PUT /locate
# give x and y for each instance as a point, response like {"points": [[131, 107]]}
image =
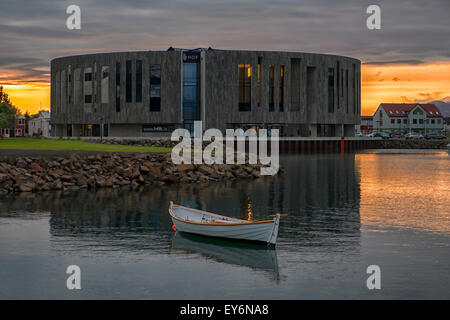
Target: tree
{"points": [[7, 115], [7, 112], [4, 96]]}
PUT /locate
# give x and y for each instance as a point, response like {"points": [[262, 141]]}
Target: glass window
{"points": [[88, 98], [138, 80], [392, 121], [355, 95], [191, 94], [105, 85], [281, 92], [117, 86], [259, 81], [245, 84], [128, 84], [330, 89], [155, 87], [271, 87], [88, 76], [338, 78], [346, 89]]}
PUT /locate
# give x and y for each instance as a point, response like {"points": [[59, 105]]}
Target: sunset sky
{"points": [[407, 60]]}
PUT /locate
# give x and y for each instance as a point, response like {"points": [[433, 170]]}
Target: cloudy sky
{"points": [[407, 60]]}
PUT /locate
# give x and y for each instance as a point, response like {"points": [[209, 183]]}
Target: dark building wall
{"points": [[305, 92], [299, 106], [79, 112]]}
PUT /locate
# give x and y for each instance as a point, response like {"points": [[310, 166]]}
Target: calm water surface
{"points": [[344, 214]]}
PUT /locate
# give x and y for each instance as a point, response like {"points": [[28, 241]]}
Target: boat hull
{"points": [[266, 232]]}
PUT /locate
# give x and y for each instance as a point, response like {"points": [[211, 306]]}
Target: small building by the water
{"points": [[405, 117], [19, 128], [40, 126], [366, 125]]}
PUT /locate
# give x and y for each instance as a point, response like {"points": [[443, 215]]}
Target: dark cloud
{"points": [[395, 62], [412, 32]]}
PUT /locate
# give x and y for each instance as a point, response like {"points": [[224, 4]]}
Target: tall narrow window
{"points": [[358, 93], [155, 87], [330, 89], [117, 86], [128, 81], [295, 76], [338, 83], [271, 87], [259, 81], [138, 80], [354, 88], [245, 85], [310, 87], [69, 84], [346, 88], [105, 84], [191, 91], [281, 92]]}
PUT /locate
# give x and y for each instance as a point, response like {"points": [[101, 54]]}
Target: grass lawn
{"points": [[50, 144]]}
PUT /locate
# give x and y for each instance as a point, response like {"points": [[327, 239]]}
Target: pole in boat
{"points": [[249, 210]]}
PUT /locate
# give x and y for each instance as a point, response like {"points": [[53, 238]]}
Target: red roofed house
{"points": [[405, 117]]}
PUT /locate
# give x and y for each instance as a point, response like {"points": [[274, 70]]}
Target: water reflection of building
{"points": [[319, 192]]}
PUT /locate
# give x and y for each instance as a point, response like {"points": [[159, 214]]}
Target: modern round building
{"points": [[151, 93]]}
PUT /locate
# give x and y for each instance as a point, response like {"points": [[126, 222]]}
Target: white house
{"points": [[405, 117], [40, 126]]}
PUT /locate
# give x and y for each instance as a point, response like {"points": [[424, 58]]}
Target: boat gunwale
{"points": [[243, 223]]}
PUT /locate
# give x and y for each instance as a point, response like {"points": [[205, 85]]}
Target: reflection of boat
{"points": [[214, 225], [233, 252]]}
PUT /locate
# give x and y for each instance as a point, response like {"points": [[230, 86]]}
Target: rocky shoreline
{"points": [[106, 170]]}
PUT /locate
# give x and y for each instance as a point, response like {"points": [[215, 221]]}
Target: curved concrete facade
{"points": [[150, 93]]}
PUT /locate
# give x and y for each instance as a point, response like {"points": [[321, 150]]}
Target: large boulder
{"points": [[155, 172], [27, 186], [57, 185], [206, 170]]}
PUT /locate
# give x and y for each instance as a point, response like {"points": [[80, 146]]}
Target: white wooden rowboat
{"points": [[209, 224]]}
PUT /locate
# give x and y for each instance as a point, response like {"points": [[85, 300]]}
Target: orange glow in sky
{"points": [[380, 84], [403, 83], [30, 97]]}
